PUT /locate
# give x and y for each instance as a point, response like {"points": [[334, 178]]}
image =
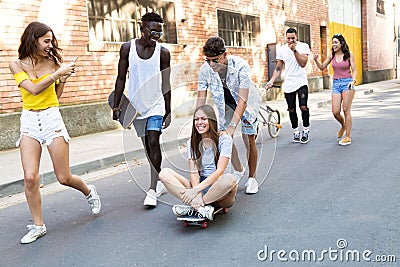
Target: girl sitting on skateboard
{"points": [[209, 153]]}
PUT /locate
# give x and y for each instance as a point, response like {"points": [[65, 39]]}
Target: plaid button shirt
{"points": [[237, 77]]}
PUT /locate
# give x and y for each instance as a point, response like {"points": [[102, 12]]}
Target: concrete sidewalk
{"points": [[102, 150]]}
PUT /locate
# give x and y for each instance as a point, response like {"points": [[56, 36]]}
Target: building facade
{"points": [[95, 29], [379, 39]]}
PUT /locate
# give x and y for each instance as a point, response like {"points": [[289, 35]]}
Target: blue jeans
{"points": [[302, 94]]}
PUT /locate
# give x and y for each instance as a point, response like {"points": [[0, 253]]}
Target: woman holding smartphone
{"points": [[344, 79], [41, 76]]}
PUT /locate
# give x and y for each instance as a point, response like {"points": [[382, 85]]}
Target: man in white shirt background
{"points": [[294, 55]]}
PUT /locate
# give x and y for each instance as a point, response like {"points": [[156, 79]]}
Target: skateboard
{"points": [[128, 112], [202, 222]]}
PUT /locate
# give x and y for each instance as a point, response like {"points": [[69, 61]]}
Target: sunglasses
{"points": [[215, 60], [336, 35], [154, 33]]}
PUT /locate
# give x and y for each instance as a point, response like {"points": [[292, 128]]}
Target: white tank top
{"points": [[144, 86]]}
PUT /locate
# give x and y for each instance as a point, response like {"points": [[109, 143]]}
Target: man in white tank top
{"points": [[149, 90]]}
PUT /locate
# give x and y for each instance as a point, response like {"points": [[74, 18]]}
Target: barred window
{"points": [[238, 29], [380, 7], [116, 21], [303, 31]]}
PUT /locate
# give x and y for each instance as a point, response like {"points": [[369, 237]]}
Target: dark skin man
{"points": [[145, 47]]}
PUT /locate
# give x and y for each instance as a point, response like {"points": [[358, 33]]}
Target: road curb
{"points": [[324, 104], [15, 187]]}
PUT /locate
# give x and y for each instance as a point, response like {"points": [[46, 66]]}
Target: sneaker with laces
{"points": [[34, 233], [205, 212], [93, 200], [345, 141], [183, 210], [296, 137], [238, 175], [151, 198], [304, 137], [160, 189], [251, 186]]}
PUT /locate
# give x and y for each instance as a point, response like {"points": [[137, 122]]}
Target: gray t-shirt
{"points": [[207, 160]]}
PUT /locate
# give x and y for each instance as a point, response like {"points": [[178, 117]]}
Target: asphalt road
{"points": [[340, 203]]}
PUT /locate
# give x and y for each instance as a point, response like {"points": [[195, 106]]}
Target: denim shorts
{"points": [[205, 190], [152, 123], [341, 85], [247, 128], [43, 126], [250, 128]]}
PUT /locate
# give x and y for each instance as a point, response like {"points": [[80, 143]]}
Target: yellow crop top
{"points": [[47, 98]]}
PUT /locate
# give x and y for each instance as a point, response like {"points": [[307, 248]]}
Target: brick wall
{"points": [[378, 53], [196, 21], [364, 29]]}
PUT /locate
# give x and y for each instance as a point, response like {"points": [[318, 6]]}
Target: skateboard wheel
{"points": [[204, 225], [225, 210], [185, 223]]}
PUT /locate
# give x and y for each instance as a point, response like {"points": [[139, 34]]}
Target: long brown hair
{"points": [[29, 39], [196, 139], [344, 46]]}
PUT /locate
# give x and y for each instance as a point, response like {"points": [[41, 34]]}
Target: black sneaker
{"points": [[206, 212], [296, 137], [304, 138]]}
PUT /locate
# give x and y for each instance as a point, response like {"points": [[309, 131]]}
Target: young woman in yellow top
{"points": [[41, 78]]}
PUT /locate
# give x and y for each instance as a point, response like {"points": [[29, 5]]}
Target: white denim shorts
{"points": [[43, 125]]}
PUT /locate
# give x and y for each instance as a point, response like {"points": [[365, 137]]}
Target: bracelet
{"points": [[63, 81], [116, 109]]}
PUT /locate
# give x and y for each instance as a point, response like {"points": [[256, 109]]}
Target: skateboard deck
{"points": [[128, 112], [190, 220]]}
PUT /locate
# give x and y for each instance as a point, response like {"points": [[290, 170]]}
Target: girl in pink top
{"points": [[344, 79]]}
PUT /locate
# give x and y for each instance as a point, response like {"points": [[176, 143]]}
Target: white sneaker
{"points": [[238, 175], [183, 210], [251, 186], [34, 233], [93, 200], [160, 189], [206, 212], [296, 137], [151, 198]]}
